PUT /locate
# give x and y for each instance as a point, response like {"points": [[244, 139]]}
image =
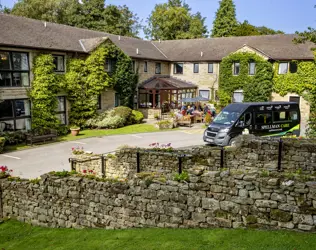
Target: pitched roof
{"points": [[276, 47], [166, 82], [30, 33]]}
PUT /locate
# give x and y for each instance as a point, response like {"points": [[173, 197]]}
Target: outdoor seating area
{"points": [[40, 135]]}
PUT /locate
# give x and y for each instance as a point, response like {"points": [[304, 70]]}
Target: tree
{"points": [[247, 29], [174, 20], [225, 22], [90, 14]]}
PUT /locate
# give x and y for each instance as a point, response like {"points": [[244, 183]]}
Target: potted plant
{"points": [[74, 130]]}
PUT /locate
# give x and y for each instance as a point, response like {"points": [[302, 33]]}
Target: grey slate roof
{"points": [[166, 82], [277, 47], [29, 33]]}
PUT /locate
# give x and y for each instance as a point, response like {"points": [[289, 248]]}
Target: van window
{"points": [[263, 118], [283, 116]]}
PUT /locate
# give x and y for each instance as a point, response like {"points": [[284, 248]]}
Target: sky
{"points": [[286, 15]]}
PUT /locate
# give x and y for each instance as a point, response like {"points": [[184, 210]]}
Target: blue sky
{"points": [[286, 15]]}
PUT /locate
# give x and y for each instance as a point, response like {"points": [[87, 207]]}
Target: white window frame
{"points": [[204, 90], [234, 68], [254, 69], [287, 68], [175, 69]]}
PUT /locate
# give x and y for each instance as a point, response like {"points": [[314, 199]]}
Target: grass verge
{"points": [[16, 235], [132, 129]]}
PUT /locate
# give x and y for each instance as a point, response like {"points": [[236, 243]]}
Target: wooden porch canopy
{"points": [[164, 90]]}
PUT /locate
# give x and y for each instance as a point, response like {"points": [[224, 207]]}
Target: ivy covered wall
{"points": [[256, 88]]}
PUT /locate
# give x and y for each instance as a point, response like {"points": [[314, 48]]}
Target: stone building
{"points": [[168, 70]]}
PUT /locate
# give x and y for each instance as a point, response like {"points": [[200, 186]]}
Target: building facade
{"points": [[167, 70]]}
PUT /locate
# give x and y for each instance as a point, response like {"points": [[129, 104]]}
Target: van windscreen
{"points": [[227, 117]]}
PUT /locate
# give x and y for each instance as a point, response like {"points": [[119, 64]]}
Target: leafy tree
{"points": [[174, 20], [247, 29], [90, 14], [4, 9], [225, 22]]}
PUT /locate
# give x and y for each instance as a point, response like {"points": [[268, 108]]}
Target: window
{"points": [[117, 100], [108, 65], [15, 115], [210, 68], [263, 118], [134, 66], [205, 93], [99, 104], [145, 66], [178, 68], [283, 68], [236, 68], [295, 99], [14, 69], [59, 63], [238, 96], [293, 67], [61, 109], [158, 68], [281, 116], [252, 68], [196, 68]]}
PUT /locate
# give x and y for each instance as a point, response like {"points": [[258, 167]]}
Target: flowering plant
{"points": [[77, 150], [5, 172], [161, 147]]}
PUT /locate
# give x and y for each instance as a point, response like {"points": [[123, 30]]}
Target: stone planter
{"points": [[75, 131]]}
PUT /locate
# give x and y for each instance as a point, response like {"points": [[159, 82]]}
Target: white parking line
{"points": [[136, 136], [9, 156], [78, 142]]}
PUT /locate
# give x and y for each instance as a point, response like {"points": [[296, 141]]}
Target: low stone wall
{"points": [[228, 199], [251, 153]]}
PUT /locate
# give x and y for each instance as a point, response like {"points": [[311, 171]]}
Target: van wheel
{"points": [[232, 142]]}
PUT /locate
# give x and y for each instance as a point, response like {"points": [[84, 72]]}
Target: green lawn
{"points": [[132, 129], [15, 235]]}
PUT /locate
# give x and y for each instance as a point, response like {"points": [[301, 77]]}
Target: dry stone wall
{"points": [[228, 199], [251, 154]]}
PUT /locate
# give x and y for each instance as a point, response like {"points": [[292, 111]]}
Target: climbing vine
{"points": [[86, 79], [43, 93], [256, 88], [303, 82]]}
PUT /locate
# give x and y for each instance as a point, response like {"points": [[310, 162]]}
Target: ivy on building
{"points": [[301, 82], [43, 93], [256, 88], [86, 79]]}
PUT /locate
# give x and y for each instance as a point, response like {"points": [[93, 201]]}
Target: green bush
{"points": [[137, 117], [13, 138], [2, 141], [125, 113], [165, 124], [111, 122], [62, 130]]}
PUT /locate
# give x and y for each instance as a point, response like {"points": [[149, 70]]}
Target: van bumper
{"points": [[221, 139]]}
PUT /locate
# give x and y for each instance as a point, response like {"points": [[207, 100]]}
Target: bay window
{"points": [[15, 115], [14, 69]]}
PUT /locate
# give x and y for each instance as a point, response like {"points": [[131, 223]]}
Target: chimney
{"points": [[137, 51]]}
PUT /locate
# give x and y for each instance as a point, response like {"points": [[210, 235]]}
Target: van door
{"points": [[262, 123], [245, 121]]}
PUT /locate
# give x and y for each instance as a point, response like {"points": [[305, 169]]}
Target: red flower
{"points": [[90, 171], [84, 171]]}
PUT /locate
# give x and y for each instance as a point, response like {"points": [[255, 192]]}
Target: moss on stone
{"points": [[280, 215], [251, 219]]}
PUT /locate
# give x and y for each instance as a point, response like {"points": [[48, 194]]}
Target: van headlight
{"points": [[224, 130]]}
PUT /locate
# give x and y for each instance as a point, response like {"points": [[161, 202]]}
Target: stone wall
{"points": [[250, 154], [229, 199]]}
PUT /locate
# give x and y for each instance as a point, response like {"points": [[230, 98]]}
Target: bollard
{"points": [[103, 159], [180, 164], [138, 163], [280, 154], [222, 157]]}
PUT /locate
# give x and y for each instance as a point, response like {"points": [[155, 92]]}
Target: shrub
{"points": [[184, 176], [165, 124], [12, 138], [62, 130], [111, 122], [2, 141], [125, 113], [137, 117]]}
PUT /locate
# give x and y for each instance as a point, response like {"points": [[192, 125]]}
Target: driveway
{"points": [[32, 163]]}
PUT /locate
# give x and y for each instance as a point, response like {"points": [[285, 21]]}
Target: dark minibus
{"points": [[260, 119]]}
